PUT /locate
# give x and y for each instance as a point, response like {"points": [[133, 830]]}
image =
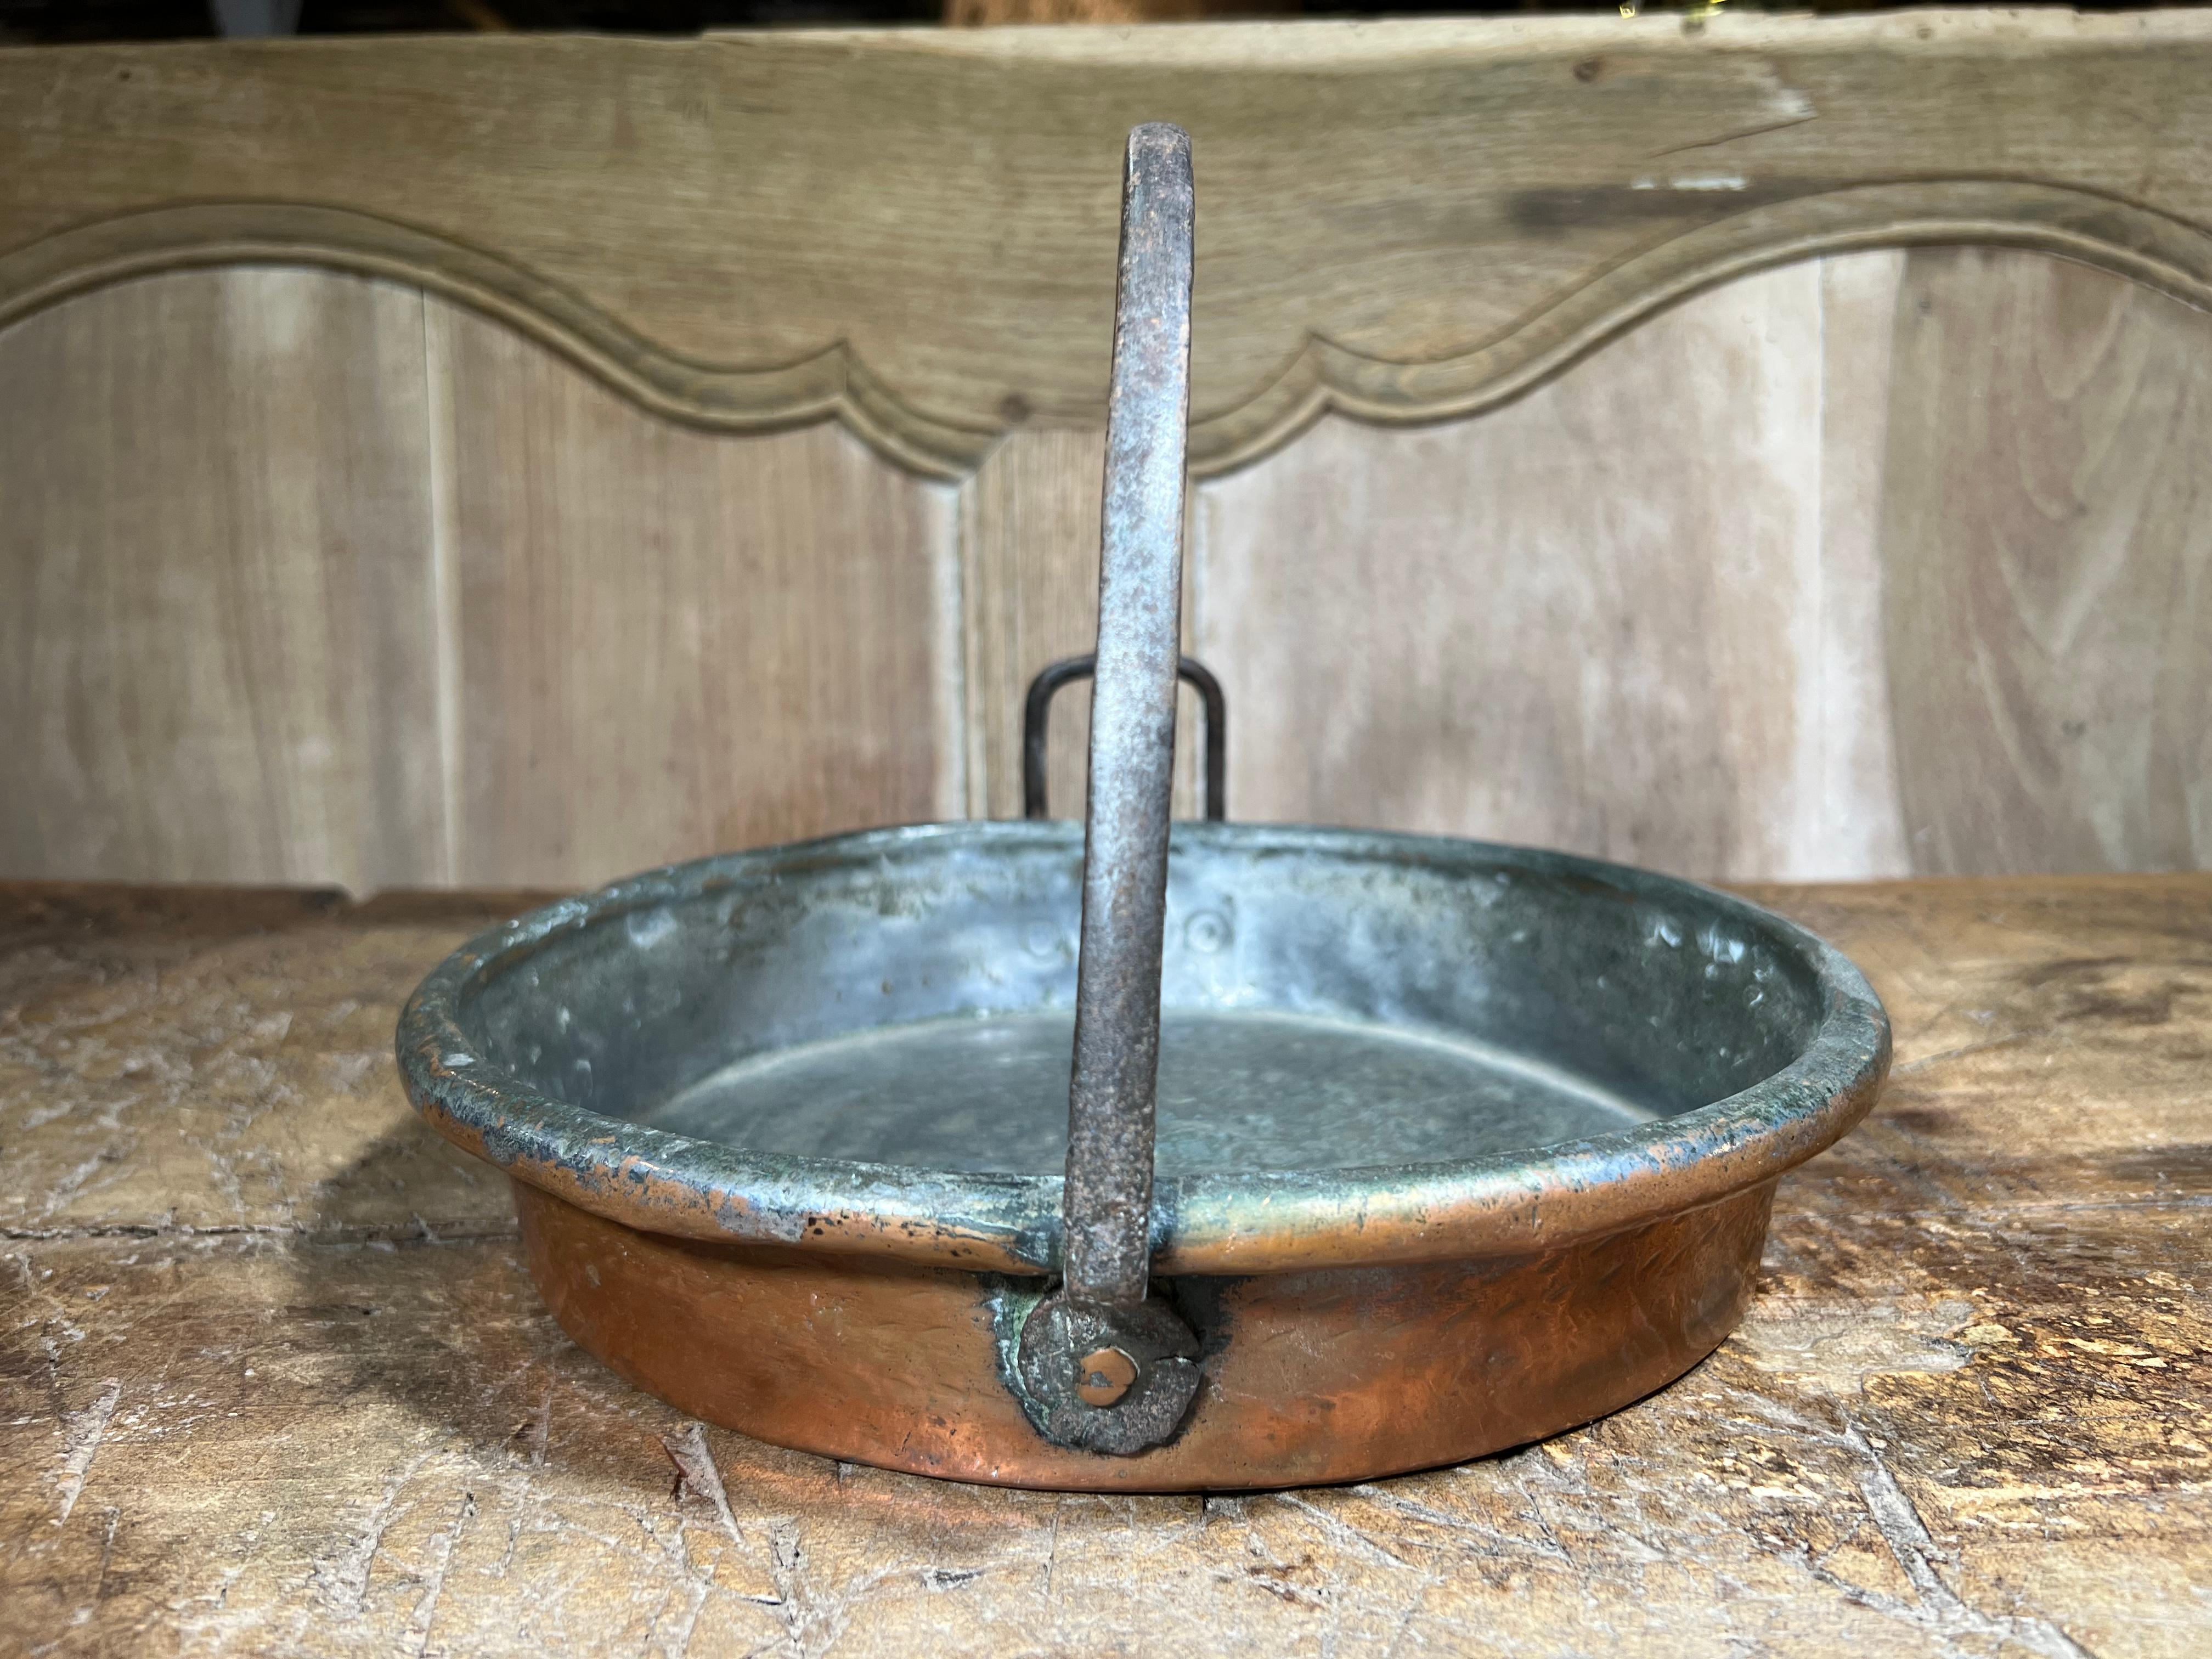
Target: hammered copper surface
{"points": [[1353, 1316], [1315, 1378]]}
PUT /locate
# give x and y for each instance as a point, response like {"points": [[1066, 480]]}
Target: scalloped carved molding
{"points": [[829, 383], [912, 232], [2147, 247]]}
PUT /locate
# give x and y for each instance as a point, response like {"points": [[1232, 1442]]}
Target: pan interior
{"points": [[1331, 1001], [1239, 1090]]}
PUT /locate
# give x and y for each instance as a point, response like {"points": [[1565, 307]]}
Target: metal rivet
{"points": [[1206, 932], [1103, 1375]]}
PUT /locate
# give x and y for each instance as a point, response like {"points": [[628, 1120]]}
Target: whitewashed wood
{"points": [[2047, 539], [310, 581], [1846, 819], [215, 625], [1029, 524], [1030, 531], [1918, 586], [435, 595], [674, 642], [1589, 620]]}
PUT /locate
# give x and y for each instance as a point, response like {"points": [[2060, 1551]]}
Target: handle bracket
{"points": [[1036, 716]]}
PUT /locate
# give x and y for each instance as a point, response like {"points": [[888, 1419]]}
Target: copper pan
{"points": [[1113, 1158]]}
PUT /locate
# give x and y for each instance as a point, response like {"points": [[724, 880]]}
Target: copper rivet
{"points": [[1103, 1375]]}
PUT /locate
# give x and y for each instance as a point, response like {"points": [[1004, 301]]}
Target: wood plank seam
{"points": [[444, 598]]}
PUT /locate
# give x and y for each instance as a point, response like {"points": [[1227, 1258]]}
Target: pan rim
{"points": [[1215, 1223]]}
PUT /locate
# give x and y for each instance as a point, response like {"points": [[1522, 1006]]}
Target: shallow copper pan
{"points": [[847, 1281], [1457, 1144]]}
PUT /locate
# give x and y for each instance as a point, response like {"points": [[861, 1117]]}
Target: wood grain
{"points": [[275, 1381], [1849, 822], [1793, 569], [216, 656], [913, 229], [1593, 619], [672, 643], [1030, 525], [979, 13], [490, 630], [2047, 541]]}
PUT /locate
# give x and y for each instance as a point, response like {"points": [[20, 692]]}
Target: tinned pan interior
{"points": [[1756, 1043]]}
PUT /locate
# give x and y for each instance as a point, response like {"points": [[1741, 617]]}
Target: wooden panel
{"points": [[497, 634], [1029, 517], [1029, 521], [2047, 532], [316, 626], [1592, 619], [1964, 1416], [215, 637], [978, 13], [913, 229], [671, 642], [1848, 820]]}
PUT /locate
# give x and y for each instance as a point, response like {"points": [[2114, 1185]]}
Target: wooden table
{"points": [[275, 1382]]}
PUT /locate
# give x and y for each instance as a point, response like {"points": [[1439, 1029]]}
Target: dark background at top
{"points": [[32, 22], [29, 22]]}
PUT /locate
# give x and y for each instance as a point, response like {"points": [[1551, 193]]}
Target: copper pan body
{"points": [[806, 1275], [1330, 1374]]}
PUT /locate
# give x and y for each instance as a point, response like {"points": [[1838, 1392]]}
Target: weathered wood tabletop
{"points": [[275, 1383]]}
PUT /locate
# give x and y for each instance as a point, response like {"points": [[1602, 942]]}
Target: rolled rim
{"points": [[1509, 1204]]}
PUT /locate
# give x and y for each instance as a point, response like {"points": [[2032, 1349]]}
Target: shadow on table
{"points": [[409, 1284]]}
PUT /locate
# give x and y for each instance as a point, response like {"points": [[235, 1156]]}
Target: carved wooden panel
{"points": [[1030, 522], [1851, 824], [2047, 535], [669, 642], [1635, 614], [308, 578], [215, 642], [914, 230], [1589, 619], [1654, 535], [1753, 590]]}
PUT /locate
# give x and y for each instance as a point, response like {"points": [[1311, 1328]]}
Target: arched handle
{"points": [[1036, 716], [1101, 1366]]}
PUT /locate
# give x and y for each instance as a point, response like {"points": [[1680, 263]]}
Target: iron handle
{"points": [[1103, 1365], [1037, 714]]}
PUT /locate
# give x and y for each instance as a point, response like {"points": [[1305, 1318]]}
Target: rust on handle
{"points": [[1103, 1366], [1107, 1210]]}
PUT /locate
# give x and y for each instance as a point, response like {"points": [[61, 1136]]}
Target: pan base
{"points": [[1239, 1090]]}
